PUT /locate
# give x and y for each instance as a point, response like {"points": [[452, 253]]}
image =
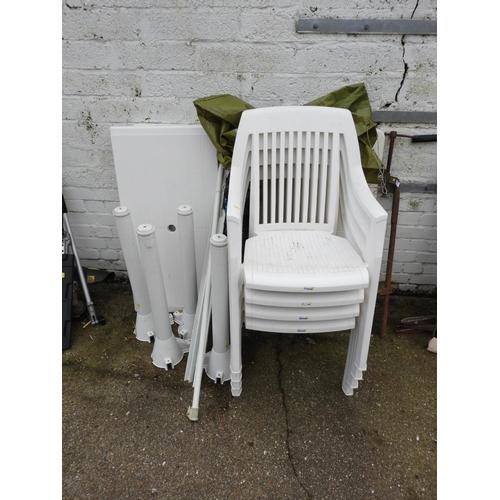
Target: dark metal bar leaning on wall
{"points": [[396, 186]]}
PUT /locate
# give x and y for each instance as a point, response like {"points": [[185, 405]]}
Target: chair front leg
{"points": [[348, 383], [361, 336]]}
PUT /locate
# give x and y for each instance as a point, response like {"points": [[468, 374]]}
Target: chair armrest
{"points": [[234, 220], [363, 217]]}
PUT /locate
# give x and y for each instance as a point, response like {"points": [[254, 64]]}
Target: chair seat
{"points": [[303, 300], [281, 326], [299, 314], [302, 261]]}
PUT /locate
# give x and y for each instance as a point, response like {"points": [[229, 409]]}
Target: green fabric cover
{"points": [[220, 115]]}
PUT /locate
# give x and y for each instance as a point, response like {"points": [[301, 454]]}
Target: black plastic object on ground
{"points": [[220, 115], [67, 298]]}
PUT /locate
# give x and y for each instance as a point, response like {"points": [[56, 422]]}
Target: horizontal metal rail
{"points": [[404, 116], [368, 26]]}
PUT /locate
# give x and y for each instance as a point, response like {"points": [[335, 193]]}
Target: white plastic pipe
{"points": [[196, 359], [144, 325], [197, 325], [201, 320], [220, 293], [217, 360], [166, 351], [188, 264]]}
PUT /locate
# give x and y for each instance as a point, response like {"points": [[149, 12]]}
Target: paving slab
{"points": [[291, 434]]}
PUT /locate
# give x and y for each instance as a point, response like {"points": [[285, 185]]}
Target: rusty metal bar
{"points": [[387, 290], [417, 324]]}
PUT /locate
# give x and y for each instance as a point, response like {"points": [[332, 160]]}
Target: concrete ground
{"points": [[291, 434]]}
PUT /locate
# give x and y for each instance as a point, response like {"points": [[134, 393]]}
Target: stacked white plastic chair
{"points": [[294, 274]]}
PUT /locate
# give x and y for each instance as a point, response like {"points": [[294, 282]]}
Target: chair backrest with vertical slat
{"points": [[293, 157]]}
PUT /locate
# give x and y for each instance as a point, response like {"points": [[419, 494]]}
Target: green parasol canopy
{"points": [[220, 115]]}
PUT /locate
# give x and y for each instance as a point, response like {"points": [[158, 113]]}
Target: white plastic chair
{"points": [[294, 274]]}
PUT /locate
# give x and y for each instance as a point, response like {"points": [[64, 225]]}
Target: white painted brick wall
{"points": [[415, 253], [145, 61]]}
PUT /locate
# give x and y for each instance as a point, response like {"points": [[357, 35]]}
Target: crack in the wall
{"points": [[411, 17], [287, 438], [405, 72]]}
